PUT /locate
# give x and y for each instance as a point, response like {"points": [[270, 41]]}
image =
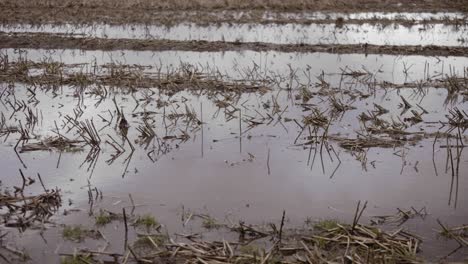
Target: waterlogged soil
{"points": [[52, 41], [149, 12], [431, 39], [298, 112], [249, 169]]}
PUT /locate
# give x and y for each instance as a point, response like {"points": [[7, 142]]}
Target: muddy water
{"points": [[431, 34], [229, 174]]}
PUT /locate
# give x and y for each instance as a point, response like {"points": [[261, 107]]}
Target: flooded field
{"points": [[435, 34], [285, 142]]}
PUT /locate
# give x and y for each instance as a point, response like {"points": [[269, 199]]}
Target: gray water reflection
{"points": [[420, 16], [390, 68], [392, 34]]}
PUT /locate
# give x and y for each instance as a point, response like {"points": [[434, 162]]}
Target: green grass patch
{"points": [[327, 224], [105, 217], [77, 260], [210, 223], [151, 241], [73, 233], [148, 221], [249, 250], [78, 233]]}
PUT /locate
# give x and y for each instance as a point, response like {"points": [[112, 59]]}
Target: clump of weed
{"points": [[78, 233], [210, 223], [316, 118], [73, 233], [445, 233], [249, 249], [306, 94], [321, 243], [325, 225], [105, 217], [275, 259], [53, 68], [77, 259], [80, 79], [148, 221], [456, 233], [151, 241]]}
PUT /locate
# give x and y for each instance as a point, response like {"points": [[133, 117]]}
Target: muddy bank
{"points": [[203, 17], [56, 41], [294, 5], [121, 12]]}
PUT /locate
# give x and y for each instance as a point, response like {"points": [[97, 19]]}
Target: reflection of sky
{"points": [[223, 174], [388, 68], [431, 34]]}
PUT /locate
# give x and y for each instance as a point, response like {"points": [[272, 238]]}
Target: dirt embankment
{"points": [[281, 5], [147, 11], [55, 41]]}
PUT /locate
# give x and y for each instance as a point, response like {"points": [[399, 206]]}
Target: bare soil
{"points": [[200, 17], [310, 5]]}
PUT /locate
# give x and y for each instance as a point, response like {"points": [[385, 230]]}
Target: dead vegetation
{"points": [[169, 16], [362, 143], [458, 118], [334, 242], [460, 231], [399, 218], [53, 143], [363, 244], [99, 81], [21, 210], [186, 77], [361, 5], [79, 234], [58, 41]]}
